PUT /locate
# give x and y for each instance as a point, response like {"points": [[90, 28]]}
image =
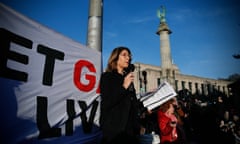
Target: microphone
{"points": [[129, 69]]}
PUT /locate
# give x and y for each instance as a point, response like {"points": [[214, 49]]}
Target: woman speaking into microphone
{"points": [[119, 118]]}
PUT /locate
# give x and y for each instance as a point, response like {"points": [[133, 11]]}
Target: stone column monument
{"points": [[165, 50]]}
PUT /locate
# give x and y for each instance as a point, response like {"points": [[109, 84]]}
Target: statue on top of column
{"points": [[162, 14]]}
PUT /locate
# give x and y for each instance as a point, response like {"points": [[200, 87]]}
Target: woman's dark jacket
{"points": [[119, 107]]}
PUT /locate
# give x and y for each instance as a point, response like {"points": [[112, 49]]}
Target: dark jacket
{"points": [[119, 109]]}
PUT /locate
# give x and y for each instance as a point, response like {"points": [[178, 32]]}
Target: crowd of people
{"points": [[201, 120], [210, 119]]}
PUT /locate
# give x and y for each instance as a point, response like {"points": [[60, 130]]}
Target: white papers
{"points": [[156, 98]]}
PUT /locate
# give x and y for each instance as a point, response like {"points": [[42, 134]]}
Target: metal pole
{"points": [[94, 35], [140, 78]]}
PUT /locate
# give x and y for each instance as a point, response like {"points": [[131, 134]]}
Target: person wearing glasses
{"points": [[119, 118]]}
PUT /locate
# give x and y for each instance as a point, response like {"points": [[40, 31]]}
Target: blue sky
{"points": [[205, 33]]}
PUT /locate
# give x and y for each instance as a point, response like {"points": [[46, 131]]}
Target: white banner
{"points": [[49, 84]]}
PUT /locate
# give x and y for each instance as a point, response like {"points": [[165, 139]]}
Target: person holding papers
{"points": [[119, 118], [167, 122]]}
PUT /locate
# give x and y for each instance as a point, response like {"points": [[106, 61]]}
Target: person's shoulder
{"points": [[107, 74], [110, 75]]}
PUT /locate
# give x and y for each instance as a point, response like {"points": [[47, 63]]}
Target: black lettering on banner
{"points": [[87, 125], [71, 115], [51, 55], [6, 37], [45, 131]]}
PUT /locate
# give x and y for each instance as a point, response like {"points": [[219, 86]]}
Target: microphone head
{"points": [[131, 67]]}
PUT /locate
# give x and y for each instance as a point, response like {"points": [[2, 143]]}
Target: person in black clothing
{"points": [[119, 118]]}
